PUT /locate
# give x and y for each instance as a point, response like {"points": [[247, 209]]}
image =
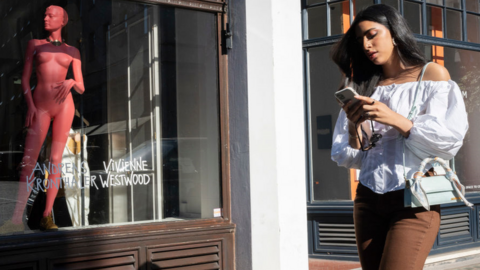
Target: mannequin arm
{"points": [[77, 72], [76, 83], [27, 72]]}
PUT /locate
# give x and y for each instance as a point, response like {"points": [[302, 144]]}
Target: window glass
{"points": [[436, 2], [454, 24], [473, 5], [144, 142], [311, 2], [317, 22], [324, 81], [434, 21], [413, 14], [464, 69], [473, 28], [454, 3], [362, 4], [393, 3], [339, 17]]}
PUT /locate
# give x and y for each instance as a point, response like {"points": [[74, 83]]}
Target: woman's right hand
{"points": [[31, 114], [355, 112]]}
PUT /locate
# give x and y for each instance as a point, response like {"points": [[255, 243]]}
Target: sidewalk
{"points": [[468, 259]]}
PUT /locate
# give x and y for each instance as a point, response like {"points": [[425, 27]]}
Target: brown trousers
{"points": [[391, 236]]}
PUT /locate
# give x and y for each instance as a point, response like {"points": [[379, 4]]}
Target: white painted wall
{"points": [[277, 135]]}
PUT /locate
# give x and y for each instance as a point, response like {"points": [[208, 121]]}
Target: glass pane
{"points": [[473, 28], [436, 2], [393, 3], [434, 21], [473, 5], [413, 15], [148, 147], [454, 3], [339, 17], [454, 24], [464, 70], [361, 4], [317, 22], [311, 2], [324, 79]]}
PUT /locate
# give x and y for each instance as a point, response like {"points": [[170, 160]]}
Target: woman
{"points": [[380, 59], [52, 103]]}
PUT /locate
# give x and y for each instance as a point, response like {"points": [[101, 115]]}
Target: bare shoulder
{"points": [[436, 72], [73, 51], [34, 42]]}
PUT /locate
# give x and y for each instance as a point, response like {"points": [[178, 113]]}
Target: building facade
{"points": [[448, 33]]}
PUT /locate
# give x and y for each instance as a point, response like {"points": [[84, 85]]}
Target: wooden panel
{"points": [[22, 266], [184, 253], [192, 260], [194, 256], [114, 260]]}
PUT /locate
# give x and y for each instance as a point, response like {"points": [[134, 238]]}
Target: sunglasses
{"points": [[373, 140]]}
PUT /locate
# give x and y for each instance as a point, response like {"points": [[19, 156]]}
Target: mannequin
{"points": [[51, 102]]}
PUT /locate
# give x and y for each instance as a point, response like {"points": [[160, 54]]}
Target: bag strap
{"points": [[412, 112]]}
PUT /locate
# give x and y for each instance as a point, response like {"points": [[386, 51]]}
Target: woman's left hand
{"points": [[377, 111], [63, 89]]}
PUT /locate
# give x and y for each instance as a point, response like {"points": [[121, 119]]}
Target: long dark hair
{"points": [[350, 56]]}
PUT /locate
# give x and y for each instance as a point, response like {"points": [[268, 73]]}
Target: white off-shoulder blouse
{"points": [[438, 130]]}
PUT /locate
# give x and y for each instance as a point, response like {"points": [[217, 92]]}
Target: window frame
{"points": [[220, 225]]}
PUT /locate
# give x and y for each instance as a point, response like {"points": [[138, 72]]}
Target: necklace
{"points": [[56, 42]]}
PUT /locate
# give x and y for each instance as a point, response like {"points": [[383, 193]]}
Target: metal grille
{"points": [[331, 234], [455, 225]]}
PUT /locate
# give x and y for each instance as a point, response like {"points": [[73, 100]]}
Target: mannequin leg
{"points": [[60, 131], [33, 143]]}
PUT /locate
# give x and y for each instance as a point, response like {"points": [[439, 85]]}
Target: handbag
{"points": [[423, 191]]}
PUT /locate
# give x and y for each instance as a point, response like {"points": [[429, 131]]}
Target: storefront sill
{"points": [[114, 234]]}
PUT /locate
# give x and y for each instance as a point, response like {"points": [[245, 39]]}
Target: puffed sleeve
{"points": [[440, 130], [342, 153]]}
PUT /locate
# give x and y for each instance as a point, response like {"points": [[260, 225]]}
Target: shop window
{"points": [[434, 21], [317, 19], [453, 3], [473, 28], [464, 69], [454, 25], [339, 17], [413, 14], [329, 181], [473, 5], [144, 143], [312, 2], [393, 3]]}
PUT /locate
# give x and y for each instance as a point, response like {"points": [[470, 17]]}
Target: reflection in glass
{"points": [[151, 132], [464, 68], [324, 81], [311, 2], [454, 24], [473, 28], [454, 3], [434, 21], [413, 14], [473, 5], [436, 2], [339, 17], [393, 3], [317, 22], [362, 4]]}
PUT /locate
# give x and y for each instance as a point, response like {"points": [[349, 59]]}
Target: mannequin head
{"points": [[55, 18]]}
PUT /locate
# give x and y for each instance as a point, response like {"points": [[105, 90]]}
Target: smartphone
{"points": [[346, 95]]}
